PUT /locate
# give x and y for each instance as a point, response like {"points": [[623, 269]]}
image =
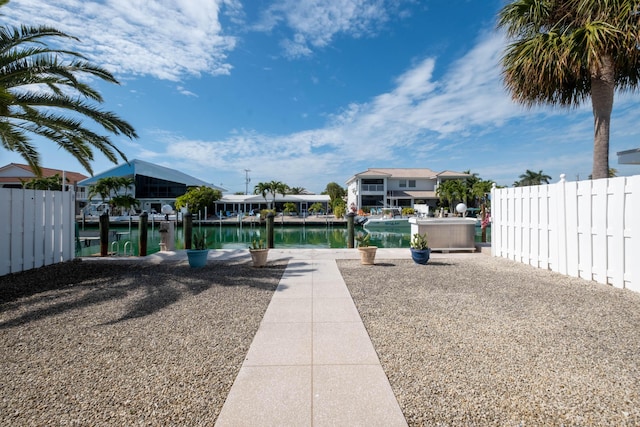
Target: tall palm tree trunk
{"points": [[602, 88]]}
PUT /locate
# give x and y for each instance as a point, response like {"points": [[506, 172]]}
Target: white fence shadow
{"points": [[38, 228], [588, 229]]}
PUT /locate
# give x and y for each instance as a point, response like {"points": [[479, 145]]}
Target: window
{"points": [[412, 183], [154, 188], [372, 185], [402, 183]]}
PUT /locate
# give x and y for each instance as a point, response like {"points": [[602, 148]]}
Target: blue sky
{"points": [[309, 92]]}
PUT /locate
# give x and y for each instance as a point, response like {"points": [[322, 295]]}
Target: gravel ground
{"points": [[486, 341], [120, 343], [464, 341]]}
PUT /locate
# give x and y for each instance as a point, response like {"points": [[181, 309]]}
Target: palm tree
{"points": [[532, 178], [273, 188], [469, 183], [50, 183], [297, 190], [613, 172], [480, 190], [43, 92], [565, 51], [103, 188], [451, 191], [110, 187]]}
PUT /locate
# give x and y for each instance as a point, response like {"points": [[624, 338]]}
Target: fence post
{"points": [[350, 230], [495, 209], [187, 223], [270, 220], [142, 234], [104, 234]]}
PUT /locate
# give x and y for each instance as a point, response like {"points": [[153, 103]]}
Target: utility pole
{"points": [[247, 180]]}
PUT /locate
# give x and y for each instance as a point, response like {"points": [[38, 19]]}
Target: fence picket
{"points": [[615, 232], [631, 273], [5, 233], [38, 228], [585, 229]]}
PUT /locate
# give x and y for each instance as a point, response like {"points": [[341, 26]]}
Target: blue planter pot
{"points": [[197, 257], [420, 256]]}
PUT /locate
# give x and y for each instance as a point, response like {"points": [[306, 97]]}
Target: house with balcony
{"points": [[380, 188]]}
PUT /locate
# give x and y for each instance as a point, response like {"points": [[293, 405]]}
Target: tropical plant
{"points": [[196, 199], [257, 244], [289, 208], [44, 92], [338, 204], [316, 207], [296, 190], [419, 241], [364, 240], [480, 190], [408, 211], [335, 192], [339, 210], [564, 52], [265, 212], [199, 240], [273, 188], [49, 183], [109, 188], [613, 172], [532, 178], [451, 191]]}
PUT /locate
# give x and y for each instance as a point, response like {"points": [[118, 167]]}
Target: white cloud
{"points": [[166, 39], [417, 116], [185, 91], [315, 23]]}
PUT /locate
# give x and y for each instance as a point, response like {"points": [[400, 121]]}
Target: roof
{"points": [[416, 194], [257, 198], [140, 167], [453, 174], [14, 172], [629, 157], [407, 173]]}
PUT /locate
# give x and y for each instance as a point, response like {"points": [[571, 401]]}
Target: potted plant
{"points": [[367, 252], [420, 251], [259, 253], [198, 255]]}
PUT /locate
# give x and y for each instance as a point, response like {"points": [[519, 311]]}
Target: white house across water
{"points": [[379, 188]]}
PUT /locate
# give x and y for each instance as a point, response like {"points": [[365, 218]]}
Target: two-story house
{"points": [[390, 187]]}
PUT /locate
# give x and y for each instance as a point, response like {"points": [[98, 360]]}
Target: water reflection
{"points": [[318, 237]]}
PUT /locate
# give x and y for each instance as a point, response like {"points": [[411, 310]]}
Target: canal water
{"points": [[124, 240]]}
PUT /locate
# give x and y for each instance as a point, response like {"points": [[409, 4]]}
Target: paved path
{"points": [[311, 362]]}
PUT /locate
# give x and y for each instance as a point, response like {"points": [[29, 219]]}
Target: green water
{"points": [[318, 237]]}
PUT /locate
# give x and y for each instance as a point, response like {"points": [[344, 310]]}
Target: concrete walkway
{"points": [[311, 362]]}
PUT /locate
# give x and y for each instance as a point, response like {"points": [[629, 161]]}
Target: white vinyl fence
{"points": [[588, 229], [38, 228]]}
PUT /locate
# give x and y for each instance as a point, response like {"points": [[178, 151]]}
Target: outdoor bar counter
{"points": [[446, 234]]}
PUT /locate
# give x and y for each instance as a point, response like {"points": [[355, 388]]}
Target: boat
{"points": [[387, 224]]}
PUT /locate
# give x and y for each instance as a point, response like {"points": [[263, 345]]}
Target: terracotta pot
{"points": [[259, 257], [367, 254]]}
